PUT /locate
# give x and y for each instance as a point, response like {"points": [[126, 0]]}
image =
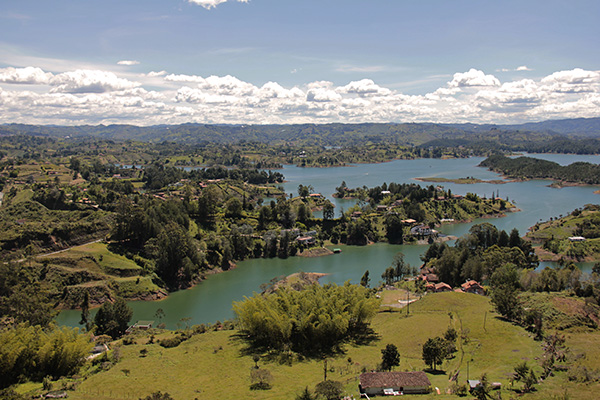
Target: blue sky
{"points": [[279, 61]]}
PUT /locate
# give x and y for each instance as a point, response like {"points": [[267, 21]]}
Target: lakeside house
{"points": [[143, 325], [380, 383], [421, 230], [306, 240], [472, 287]]}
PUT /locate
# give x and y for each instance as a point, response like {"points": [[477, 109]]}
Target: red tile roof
{"points": [[394, 379]]}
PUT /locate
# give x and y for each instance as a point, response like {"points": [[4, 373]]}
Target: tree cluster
{"points": [[315, 320], [31, 352]]}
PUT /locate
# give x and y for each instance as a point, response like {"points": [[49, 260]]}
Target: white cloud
{"points": [[208, 4], [91, 96], [183, 78], [518, 69], [27, 75], [128, 62], [365, 87], [473, 77], [154, 74], [89, 81], [572, 81], [322, 95]]}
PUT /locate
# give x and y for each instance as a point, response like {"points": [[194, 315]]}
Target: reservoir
{"points": [[211, 300]]}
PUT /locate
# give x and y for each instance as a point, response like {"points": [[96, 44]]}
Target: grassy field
{"points": [[94, 265], [212, 365]]}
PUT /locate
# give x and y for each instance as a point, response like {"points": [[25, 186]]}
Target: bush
{"points": [[330, 390], [261, 379], [170, 342]]}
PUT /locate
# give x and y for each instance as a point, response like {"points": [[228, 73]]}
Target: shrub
{"points": [[170, 342]]}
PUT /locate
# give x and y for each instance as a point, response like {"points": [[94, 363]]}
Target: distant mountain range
{"points": [[319, 134]]}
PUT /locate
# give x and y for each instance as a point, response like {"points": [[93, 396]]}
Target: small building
{"points": [[442, 287], [306, 240], [386, 192], [421, 230], [408, 221], [375, 383], [382, 208], [472, 287], [576, 239], [315, 195], [143, 325]]}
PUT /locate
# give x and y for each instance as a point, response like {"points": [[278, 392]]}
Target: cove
{"points": [[211, 300]]}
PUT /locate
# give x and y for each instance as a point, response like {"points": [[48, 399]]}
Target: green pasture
{"points": [[214, 365]]}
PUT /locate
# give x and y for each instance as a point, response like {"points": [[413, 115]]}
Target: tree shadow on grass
{"points": [[435, 371], [299, 352]]}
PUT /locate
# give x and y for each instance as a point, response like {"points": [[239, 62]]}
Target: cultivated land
{"points": [[213, 365]]}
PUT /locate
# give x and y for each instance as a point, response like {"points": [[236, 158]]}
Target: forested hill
{"points": [[324, 134], [533, 168]]}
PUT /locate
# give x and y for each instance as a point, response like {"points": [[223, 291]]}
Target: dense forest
{"points": [[533, 168]]}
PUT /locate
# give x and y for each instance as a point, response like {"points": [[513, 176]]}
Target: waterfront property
{"points": [[472, 287]]}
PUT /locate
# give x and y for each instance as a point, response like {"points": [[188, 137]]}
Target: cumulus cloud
{"points": [[365, 87], [473, 77], [86, 96], [128, 62], [524, 68], [322, 95], [573, 81], [208, 4], [89, 81], [27, 75]]}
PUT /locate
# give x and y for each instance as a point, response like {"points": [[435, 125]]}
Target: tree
{"points": [[393, 229], [434, 352], [523, 373], [506, 302], [85, 310], [401, 267], [389, 357], [304, 213], [505, 291], [328, 211], [331, 390], [482, 391], [364, 281], [261, 379], [305, 191], [113, 319], [306, 395], [177, 258], [388, 275], [233, 208]]}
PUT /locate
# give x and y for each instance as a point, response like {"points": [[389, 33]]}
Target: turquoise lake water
{"points": [[212, 299]]}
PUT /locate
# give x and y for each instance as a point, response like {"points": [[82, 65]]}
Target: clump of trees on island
{"points": [[533, 168]]}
